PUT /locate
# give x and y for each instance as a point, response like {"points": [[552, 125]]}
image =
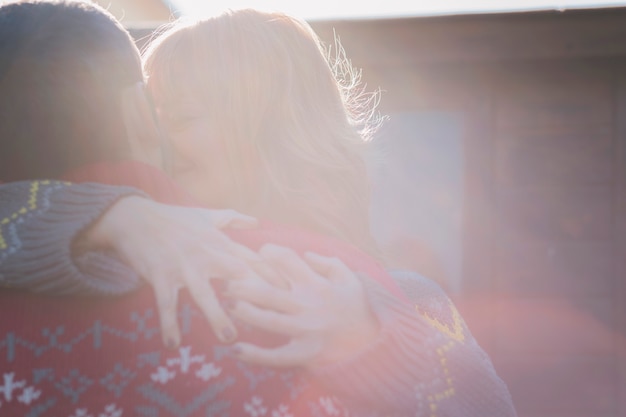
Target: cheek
{"points": [[189, 143], [202, 166]]}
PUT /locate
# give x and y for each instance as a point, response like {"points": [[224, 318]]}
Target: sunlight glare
{"points": [[333, 9]]}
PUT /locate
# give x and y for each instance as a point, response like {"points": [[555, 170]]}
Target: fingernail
{"points": [[236, 350], [228, 303], [171, 343], [228, 334], [221, 285]]}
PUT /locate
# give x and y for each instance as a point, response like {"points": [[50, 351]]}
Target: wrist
{"points": [[102, 234]]}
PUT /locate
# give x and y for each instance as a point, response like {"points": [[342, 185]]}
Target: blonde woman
{"points": [[263, 119]]}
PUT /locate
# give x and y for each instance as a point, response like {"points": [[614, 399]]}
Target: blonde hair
{"points": [[269, 83]]}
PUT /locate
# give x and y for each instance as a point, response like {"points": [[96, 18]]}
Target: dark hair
{"points": [[63, 67]]}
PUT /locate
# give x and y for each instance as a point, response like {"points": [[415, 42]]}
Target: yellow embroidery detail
{"points": [[455, 330], [30, 206], [449, 391], [456, 334]]}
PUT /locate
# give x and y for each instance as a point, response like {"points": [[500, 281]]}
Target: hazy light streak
{"points": [[345, 9]]}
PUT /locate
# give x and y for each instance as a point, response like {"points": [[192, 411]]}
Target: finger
{"points": [[290, 355], [289, 264], [233, 219], [225, 265], [254, 261], [219, 240], [204, 296], [263, 295], [332, 268], [241, 251], [269, 320], [270, 275], [166, 298]]}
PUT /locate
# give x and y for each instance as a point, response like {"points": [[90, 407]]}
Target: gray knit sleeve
{"points": [[39, 221], [425, 362]]}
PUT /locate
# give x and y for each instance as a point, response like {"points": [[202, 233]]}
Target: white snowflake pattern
{"points": [[282, 411], [29, 395], [185, 360], [111, 410], [81, 412], [328, 405], [208, 371], [9, 386], [162, 375], [255, 407]]}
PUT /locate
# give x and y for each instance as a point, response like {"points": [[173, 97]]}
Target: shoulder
{"points": [[425, 294], [411, 281]]}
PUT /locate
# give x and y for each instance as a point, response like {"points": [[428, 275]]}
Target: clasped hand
{"points": [[324, 312]]}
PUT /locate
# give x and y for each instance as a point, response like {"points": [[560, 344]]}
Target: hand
{"points": [[172, 247], [325, 312]]}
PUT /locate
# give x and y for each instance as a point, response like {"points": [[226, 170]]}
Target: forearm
{"points": [[425, 359], [39, 223]]}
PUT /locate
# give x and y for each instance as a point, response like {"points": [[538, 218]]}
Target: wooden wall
{"points": [[542, 100]]}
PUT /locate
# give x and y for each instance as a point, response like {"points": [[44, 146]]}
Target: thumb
{"points": [[331, 268], [233, 219]]}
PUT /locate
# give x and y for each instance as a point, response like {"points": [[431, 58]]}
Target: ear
{"points": [[142, 126]]}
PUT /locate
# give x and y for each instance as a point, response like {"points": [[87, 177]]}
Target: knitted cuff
{"points": [[39, 223]]}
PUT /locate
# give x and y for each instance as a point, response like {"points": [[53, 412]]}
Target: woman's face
{"points": [[200, 161]]}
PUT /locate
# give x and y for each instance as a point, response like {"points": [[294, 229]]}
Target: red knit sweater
{"points": [[103, 357]]}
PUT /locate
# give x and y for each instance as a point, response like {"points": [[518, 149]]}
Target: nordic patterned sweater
{"points": [[425, 363]]}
